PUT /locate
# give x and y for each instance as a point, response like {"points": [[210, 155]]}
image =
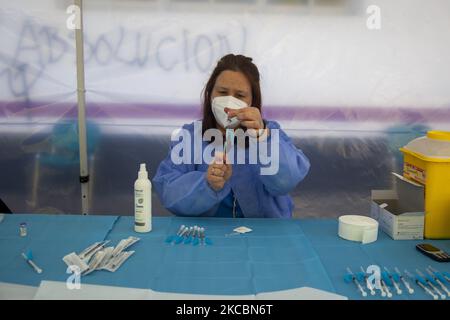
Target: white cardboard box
{"points": [[400, 212]]}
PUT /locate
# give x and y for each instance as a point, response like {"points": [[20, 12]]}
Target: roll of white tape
{"points": [[358, 228]]}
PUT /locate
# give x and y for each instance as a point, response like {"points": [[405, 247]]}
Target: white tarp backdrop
{"points": [[350, 96]]}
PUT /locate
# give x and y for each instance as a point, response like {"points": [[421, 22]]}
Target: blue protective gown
{"points": [[184, 190]]}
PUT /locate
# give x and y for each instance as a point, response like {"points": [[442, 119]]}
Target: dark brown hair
{"points": [[230, 62]]}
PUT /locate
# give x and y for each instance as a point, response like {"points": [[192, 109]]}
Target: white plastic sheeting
{"points": [[349, 96]]}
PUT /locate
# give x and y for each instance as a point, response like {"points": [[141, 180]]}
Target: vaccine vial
{"points": [[23, 229]]}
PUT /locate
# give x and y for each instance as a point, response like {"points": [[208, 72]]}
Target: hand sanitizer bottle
{"points": [[142, 202]]}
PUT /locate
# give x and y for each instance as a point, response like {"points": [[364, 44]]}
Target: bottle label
{"points": [[141, 207]]}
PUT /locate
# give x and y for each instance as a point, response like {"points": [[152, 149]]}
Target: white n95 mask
{"points": [[218, 108]]}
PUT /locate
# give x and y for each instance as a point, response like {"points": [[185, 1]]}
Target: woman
{"points": [[222, 188]]}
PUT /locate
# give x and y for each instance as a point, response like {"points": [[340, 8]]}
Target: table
{"points": [[278, 254]]}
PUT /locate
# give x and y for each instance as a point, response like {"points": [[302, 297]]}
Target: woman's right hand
{"points": [[218, 173]]}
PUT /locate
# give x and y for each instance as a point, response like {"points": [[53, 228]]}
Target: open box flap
{"points": [[410, 194]]}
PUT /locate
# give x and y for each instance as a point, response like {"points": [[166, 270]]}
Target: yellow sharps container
{"points": [[427, 161]]}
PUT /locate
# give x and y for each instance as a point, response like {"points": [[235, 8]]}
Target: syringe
{"points": [[421, 283], [403, 280], [386, 288], [434, 276], [356, 282], [368, 284], [430, 283], [394, 282]]}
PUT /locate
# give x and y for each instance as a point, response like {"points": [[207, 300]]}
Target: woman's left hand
{"points": [[250, 117]]}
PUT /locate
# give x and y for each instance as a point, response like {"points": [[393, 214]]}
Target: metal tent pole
{"points": [[84, 171]]}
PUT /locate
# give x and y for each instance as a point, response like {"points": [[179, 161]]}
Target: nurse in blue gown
{"points": [[224, 188]]}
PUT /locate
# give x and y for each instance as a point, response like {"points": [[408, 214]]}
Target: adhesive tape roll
{"points": [[358, 228]]}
